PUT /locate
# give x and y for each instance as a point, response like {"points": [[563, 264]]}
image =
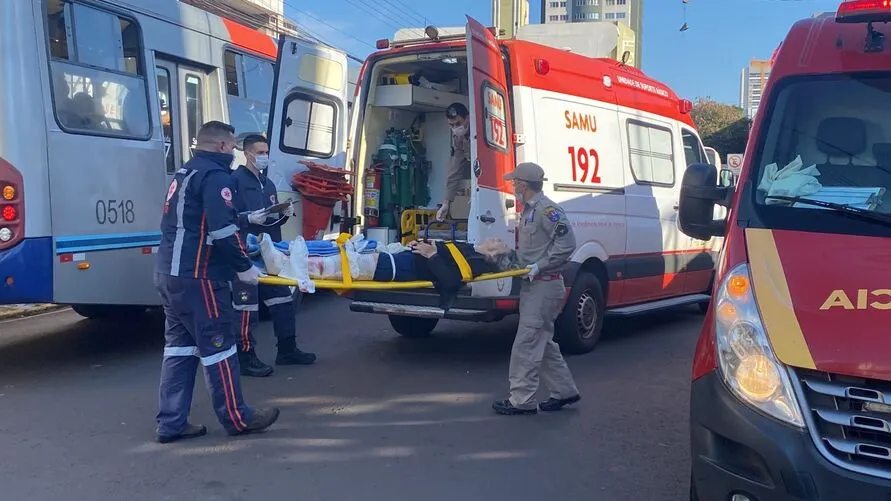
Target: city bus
{"points": [[101, 104]]}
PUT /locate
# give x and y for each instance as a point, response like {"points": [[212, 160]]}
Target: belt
{"points": [[549, 276]]}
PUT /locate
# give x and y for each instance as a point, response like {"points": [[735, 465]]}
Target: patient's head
{"points": [[495, 251]]}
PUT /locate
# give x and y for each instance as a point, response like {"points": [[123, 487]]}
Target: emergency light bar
{"points": [[864, 11]]}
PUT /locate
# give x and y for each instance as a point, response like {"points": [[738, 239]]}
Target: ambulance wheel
{"points": [[114, 312], [579, 326], [413, 327]]}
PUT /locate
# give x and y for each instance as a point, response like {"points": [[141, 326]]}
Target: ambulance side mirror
{"points": [[699, 194]]}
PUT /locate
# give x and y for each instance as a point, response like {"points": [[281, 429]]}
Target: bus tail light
{"points": [[12, 206], [864, 11]]}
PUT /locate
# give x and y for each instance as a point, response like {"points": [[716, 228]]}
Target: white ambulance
{"points": [[613, 142]]}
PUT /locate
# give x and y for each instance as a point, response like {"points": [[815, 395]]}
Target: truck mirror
{"points": [[699, 194]]}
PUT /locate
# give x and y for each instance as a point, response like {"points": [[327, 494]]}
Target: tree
{"points": [[721, 126]]}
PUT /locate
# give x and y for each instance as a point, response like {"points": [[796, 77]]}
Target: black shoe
{"points": [[555, 404], [506, 408], [263, 418], [252, 366], [295, 357], [190, 431]]}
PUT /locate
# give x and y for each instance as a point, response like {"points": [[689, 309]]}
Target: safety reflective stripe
{"points": [[463, 265], [246, 307], [180, 351], [180, 226], [392, 266], [222, 233], [219, 357], [345, 266], [277, 300]]}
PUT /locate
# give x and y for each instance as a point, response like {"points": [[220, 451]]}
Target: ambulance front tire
{"points": [[579, 326], [413, 327], [112, 312]]}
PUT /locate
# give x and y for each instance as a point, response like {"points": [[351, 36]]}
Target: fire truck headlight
{"points": [[746, 360]]}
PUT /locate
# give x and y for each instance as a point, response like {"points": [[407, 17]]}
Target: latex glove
{"points": [[289, 211], [250, 276], [256, 217], [442, 212], [531, 275]]}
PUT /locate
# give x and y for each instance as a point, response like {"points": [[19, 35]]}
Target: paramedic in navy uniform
{"points": [[199, 254], [253, 192]]}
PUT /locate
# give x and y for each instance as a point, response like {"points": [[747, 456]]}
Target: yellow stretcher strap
{"points": [[372, 285], [463, 265]]}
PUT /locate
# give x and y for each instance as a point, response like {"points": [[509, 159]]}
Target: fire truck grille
{"points": [[849, 419]]}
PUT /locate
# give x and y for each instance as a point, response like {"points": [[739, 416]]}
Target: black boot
{"points": [[289, 354], [252, 366]]}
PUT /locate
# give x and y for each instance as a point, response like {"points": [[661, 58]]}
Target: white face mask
{"points": [[459, 130], [261, 161]]}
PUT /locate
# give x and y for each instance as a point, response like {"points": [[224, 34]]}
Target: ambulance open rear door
{"points": [[307, 121]]}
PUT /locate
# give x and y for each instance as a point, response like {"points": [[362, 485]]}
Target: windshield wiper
{"points": [[843, 208]]}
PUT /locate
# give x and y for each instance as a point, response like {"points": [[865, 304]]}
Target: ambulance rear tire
{"points": [[110, 312], [413, 327], [579, 326]]}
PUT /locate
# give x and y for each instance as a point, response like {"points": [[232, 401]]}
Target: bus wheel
{"points": [[579, 326], [413, 327], [104, 311]]}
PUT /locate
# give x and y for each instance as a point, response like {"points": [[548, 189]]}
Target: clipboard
{"points": [[277, 207]]}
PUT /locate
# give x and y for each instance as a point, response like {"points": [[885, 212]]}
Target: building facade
{"points": [[626, 12], [753, 79]]}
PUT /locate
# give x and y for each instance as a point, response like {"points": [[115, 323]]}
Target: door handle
{"points": [[676, 206]]}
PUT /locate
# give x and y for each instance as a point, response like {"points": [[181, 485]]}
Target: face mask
{"points": [[261, 161], [519, 192], [459, 130]]}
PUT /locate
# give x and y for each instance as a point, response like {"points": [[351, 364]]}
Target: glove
{"points": [[289, 211], [531, 275], [250, 276], [442, 212], [256, 217]]}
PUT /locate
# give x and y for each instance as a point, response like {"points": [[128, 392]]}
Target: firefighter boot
{"points": [[263, 418], [252, 366], [289, 354]]}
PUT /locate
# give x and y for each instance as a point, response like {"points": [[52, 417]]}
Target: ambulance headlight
{"points": [[5, 234], [746, 359]]}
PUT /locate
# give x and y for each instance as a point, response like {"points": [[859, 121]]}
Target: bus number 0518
{"points": [[115, 212], [587, 161]]}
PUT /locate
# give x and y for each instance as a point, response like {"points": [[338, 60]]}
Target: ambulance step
{"points": [[417, 311], [637, 309]]}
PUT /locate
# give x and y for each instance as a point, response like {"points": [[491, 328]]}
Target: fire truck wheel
{"points": [[578, 328], [413, 327], [103, 311]]}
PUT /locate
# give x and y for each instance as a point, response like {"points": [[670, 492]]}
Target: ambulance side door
{"points": [[308, 119], [491, 147]]}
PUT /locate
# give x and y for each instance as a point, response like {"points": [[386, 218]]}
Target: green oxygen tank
{"points": [[387, 156], [405, 186]]}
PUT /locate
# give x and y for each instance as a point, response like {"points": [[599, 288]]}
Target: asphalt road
{"points": [[378, 417]]}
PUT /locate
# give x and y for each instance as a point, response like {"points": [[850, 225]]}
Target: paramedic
{"points": [[198, 216], [546, 242], [253, 192], [459, 163]]}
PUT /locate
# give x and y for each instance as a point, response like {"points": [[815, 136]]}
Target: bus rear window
{"points": [[827, 138]]}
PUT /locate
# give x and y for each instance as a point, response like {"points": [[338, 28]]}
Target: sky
{"points": [[705, 60]]}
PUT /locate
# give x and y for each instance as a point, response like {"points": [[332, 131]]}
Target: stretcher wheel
{"points": [[413, 327], [579, 326]]}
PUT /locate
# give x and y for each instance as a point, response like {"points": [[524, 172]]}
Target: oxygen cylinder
{"points": [[388, 158]]}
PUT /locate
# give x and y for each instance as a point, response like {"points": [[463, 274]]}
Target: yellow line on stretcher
{"points": [[372, 285]]}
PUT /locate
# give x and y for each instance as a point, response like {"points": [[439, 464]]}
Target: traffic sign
{"points": [[734, 160]]}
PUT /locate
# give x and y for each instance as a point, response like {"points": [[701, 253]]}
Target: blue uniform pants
{"points": [[198, 329], [282, 311]]}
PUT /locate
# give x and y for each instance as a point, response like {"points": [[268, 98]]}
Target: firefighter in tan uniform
{"points": [[458, 170], [546, 243]]}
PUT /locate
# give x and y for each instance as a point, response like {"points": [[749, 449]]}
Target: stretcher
{"points": [[349, 284]]}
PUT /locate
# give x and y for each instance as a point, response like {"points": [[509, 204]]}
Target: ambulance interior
{"points": [[404, 146]]}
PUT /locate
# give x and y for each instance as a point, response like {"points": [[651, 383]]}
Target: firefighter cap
{"points": [[526, 171]]}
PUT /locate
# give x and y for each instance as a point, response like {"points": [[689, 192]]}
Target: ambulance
{"points": [[614, 144], [791, 380]]}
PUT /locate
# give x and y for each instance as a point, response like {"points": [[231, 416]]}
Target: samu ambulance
{"points": [[614, 144], [791, 391]]}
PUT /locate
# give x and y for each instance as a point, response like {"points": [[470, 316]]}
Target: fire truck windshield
{"points": [[825, 138]]}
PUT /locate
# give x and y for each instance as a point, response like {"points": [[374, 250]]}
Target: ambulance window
{"points": [[496, 123], [692, 148], [309, 126], [652, 154]]}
